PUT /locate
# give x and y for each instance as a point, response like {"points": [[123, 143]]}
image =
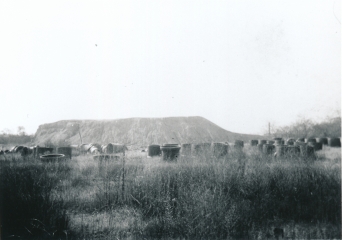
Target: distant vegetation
{"points": [[21, 138], [306, 128], [15, 139]]}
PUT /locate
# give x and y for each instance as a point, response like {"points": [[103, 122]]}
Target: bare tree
{"points": [[21, 131], [306, 128], [6, 131]]}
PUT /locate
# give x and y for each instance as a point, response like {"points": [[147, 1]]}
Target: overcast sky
{"points": [[240, 64]]}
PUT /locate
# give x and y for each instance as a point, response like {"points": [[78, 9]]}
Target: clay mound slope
{"points": [[137, 131]]}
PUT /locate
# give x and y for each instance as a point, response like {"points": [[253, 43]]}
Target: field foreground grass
{"points": [[243, 195]]}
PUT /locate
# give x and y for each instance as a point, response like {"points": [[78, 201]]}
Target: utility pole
{"points": [[269, 129]]}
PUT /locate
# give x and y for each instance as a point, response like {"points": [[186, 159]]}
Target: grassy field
{"points": [[244, 195]]}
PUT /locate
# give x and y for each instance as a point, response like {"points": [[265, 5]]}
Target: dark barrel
{"points": [[316, 145], [67, 151], [170, 152], [186, 149], [290, 141], [238, 144], [261, 141], [18, 149], [108, 149], [278, 142], [25, 151], [42, 151], [292, 150], [307, 150], [219, 149], [253, 142], [200, 148], [75, 150], [280, 149], [153, 150], [322, 140], [52, 157], [334, 142], [307, 140], [260, 147], [268, 149]]}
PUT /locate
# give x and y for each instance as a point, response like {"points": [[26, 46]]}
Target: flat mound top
{"points": [[137, 131]]}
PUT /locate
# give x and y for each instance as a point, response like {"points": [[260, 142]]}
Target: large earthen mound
{"points": [[137, 131]]}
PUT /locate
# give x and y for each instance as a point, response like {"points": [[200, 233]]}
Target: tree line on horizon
{"points": [[7, 137], [307, 128]]}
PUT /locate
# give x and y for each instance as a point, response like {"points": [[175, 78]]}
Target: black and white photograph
{"points": [[172, 119]]}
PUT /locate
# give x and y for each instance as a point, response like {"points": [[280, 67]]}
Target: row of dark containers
{"points": [[168, 151], [92, 148], [305, 147], [296, 149], [280, 146], [95, 148], [315, 142], [37, 151], [173, 151]]}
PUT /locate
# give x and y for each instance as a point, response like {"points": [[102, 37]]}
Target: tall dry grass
{"points": [[28, 208], [243, 195]]}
